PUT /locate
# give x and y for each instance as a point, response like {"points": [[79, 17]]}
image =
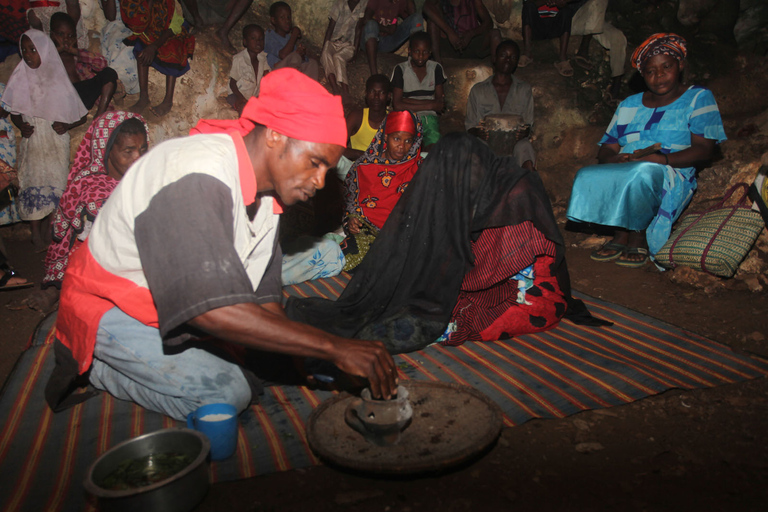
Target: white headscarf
{"points": [[45, 92]]}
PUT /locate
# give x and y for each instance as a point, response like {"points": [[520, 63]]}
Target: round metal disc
{"points": [[451, 424]]}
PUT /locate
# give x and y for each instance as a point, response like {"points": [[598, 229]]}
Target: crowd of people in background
{"points": [[59, 80]]}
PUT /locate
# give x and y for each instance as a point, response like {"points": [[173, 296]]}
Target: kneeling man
{"points": [[182, 267]]}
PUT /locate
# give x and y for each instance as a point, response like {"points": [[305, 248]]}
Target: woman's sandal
{"points": [[608, 246], [583, 62], [9, 274], [634, 263], [564, 68]]}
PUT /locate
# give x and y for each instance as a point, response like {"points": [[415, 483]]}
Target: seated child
{"points": [[39, 16], [119, 56], [248, 67], [342, 38], [88, 71], [160, 39], [44, 106], [376, 182], [362, 123], [9, 213], [387, 25], [417, 86], [283, 46]]}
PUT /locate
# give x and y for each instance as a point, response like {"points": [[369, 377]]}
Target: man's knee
{"points": [[108, 75], [370, 30], [293, 60], [237, 392]]}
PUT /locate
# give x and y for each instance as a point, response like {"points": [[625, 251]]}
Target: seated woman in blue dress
{"points": [[640, 194]]}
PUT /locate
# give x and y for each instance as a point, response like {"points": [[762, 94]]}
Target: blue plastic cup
{"points": [[219, 424]]}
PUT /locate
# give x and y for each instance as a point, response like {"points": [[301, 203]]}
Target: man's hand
{"points": [[147, 55], [371, 360], [296, 32], [464, 40], [523, 132], [60, 128], [440, 104], [479, 131]]}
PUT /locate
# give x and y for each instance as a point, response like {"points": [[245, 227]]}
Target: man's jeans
{"points": [[131, 363]]}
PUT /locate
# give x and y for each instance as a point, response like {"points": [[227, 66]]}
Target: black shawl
{"points": [[404, 291]]}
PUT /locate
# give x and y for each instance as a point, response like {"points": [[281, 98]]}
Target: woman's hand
{"points": [[354, 225]]}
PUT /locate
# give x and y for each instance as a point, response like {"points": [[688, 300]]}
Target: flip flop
{"points": [[524, 61], [9, 274], [609, 246], [583, 62], [634, 264], [564, 68]]}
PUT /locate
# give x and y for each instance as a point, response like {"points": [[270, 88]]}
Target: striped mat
{"points": [[44, 456]]}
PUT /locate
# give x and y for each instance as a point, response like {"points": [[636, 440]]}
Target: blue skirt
{"points": [[623, 195], [633, 196]]}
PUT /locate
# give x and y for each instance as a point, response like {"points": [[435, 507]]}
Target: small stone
{"points": [[592, 242], [589, 447], [581, 424], [605, 412], [757, 336]]}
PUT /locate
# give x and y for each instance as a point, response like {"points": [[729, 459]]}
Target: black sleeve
{"points": [[270, 287], [439, 75], [397, 78], [186, 245]]}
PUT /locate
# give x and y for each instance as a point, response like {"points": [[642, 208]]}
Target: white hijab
{"points": [[45, 92]]}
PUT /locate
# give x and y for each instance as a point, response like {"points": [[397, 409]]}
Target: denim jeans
{"points": [[131, 363], [390, 43]]}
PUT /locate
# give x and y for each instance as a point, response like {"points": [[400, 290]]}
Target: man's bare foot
{"points": [[140, 106], [42, 300], [222, 38], [162, 109]]}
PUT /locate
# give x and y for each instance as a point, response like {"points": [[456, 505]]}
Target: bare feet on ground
{"points": [[162, 109], [139, 106], [222, 38]]}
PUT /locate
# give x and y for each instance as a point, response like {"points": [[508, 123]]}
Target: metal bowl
{"points": [[177, 493]]}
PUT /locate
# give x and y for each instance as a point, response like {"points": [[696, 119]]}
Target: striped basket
{"points": [[715, 241]]}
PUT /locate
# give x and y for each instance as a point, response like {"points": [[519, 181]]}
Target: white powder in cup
{"points": [[215, 417]]}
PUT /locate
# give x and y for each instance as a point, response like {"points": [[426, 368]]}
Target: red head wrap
{"points": [[400, 121], [663, 43], [290, 103]]}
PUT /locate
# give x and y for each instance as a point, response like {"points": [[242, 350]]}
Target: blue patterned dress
{"points": [[645, 195], [9, 214]]}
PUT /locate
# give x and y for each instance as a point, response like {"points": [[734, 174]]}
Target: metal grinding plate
{"points": [[451, 424]]}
